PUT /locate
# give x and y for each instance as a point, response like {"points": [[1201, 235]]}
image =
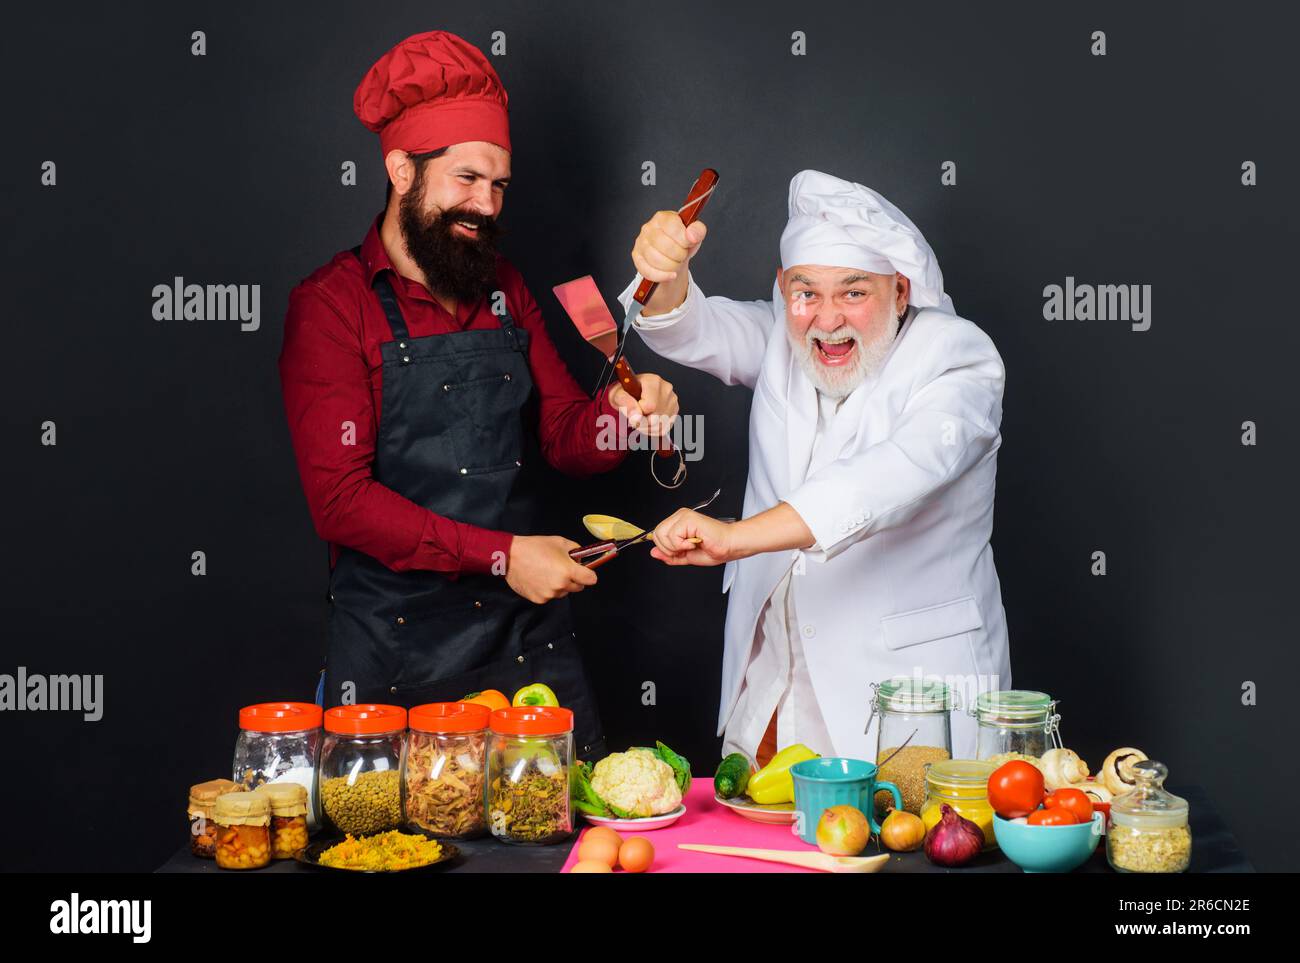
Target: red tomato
{"points": [[1015, 789], [1053, 817], [1074, 800]]}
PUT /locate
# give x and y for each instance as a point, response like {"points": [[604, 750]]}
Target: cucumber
{"points": [[732, 776]]}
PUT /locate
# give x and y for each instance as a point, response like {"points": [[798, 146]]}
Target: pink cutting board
{"points": [[705, 821]]}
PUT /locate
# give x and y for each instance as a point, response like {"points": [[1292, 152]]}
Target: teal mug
{"points": [[835, 781]]}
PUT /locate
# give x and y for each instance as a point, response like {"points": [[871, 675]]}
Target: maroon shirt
{"points": [[330, 373]]}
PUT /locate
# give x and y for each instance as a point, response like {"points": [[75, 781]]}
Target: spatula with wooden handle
{"points": [[584, 305], [824, 862]]}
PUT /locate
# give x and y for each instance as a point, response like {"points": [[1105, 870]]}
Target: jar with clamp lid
{"points": [[914, 730], [1015, 724]]}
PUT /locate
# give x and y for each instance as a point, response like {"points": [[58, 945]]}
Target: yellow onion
{"points": [[903, 832]]}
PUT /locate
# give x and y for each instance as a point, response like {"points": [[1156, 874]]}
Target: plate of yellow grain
{"points": [[396, 851]]}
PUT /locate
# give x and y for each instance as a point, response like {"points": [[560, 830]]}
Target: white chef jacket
{"points": [[901, 580], [777, 678]]}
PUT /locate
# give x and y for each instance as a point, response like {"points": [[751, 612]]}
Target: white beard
{"points": [[840, 382]]}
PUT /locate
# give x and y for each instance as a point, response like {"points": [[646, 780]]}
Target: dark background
{"points": [[226, 169]]}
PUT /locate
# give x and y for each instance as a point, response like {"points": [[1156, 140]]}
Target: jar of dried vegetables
{"points": [[530, 752], [203, 800], [243, 821], [360, 768], [1015, 724], [446, 764], [1148, 825], [280, 742], [915, 729], [288, 818]]}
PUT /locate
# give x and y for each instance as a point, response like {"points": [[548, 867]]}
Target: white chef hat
{"points": [[842, 224]]}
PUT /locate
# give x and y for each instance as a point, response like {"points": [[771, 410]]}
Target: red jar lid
{"points": [[449, 717], [365, 720], [280, 717], [532, 721]]}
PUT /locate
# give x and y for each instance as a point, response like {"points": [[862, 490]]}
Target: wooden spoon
{"points": [[824, 862]]}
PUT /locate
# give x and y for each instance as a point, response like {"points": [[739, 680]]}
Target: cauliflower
{"points": [[638, 781]]}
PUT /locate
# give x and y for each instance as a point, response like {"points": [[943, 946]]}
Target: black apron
{"points": [[458, 436]]}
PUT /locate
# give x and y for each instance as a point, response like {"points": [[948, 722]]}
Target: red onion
{"points": [[953, 840]]}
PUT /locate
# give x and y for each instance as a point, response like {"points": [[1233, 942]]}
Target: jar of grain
{"points": [[915, 729], [1149, 831], [243, 830], [360, 768], [962, 784]]}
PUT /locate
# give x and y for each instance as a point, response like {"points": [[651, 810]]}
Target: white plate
{"points": [[640, 824], [779, 814]]}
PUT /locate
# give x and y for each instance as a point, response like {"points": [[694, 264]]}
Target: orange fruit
{"points": [[492, 698]]}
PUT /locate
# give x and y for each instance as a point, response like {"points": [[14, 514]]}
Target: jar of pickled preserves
{"points": [[203, 800], [1015, 724], [280, 742], [530, 752], [288, 818], [964, 785], [915, 729], [361, 768], [443, 777], [243, 822], [1148, 825]]}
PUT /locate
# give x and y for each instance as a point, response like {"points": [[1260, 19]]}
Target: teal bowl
{"points": [[1048, 849]]}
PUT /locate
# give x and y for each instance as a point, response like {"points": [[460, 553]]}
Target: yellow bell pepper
{"points": [[773, 783]]}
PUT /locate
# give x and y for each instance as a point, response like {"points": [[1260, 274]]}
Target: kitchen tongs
{"points": [[598, 553]]}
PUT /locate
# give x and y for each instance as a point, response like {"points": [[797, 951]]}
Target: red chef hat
{"points": [[433, 90]]}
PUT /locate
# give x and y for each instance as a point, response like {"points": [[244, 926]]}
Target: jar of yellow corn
{"points": [[288, 818], [964, 785], [243, 822]]}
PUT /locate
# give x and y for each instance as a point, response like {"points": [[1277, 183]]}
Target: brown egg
{"points": [[590, 866], [601, 848], [603, 832], [636, 854]]}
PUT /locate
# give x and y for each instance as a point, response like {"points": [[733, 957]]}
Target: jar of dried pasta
{"points": [[203, 799], [288, 818], [243, 822], [443, 775], [1148, 826]]}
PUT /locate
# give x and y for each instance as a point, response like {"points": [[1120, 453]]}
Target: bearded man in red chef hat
{"points": [[423, 396]]}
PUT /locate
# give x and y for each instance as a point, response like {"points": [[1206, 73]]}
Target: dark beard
{"points": [[455, 267]]}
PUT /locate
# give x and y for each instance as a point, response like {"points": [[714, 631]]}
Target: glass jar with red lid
{"points": [[443, 778], [280, 742], [361, 768], [530, 752]]}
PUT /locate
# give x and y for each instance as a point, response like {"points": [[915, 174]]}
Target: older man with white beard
{"points": [[863, 553]]}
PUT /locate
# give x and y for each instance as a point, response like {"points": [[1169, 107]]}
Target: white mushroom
{"points": [[1096, 791], [1063, 767], [1117, 771]]}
